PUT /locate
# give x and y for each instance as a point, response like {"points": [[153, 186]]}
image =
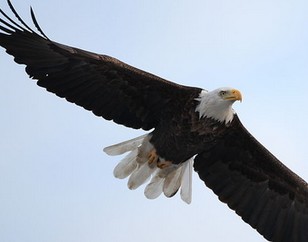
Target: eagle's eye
{"points": [[222, 93]]}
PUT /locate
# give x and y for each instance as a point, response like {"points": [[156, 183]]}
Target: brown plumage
{"points": [[243, 174]]}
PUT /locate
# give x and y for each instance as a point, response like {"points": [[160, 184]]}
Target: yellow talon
{"points": [[152, 157], [163, 164], [153, 160]]}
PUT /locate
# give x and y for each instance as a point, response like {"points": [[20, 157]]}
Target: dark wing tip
{"points": [[38, 27], [11, 26], [18, 17]]}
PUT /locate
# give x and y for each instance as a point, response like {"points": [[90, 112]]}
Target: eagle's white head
{"points": [[217, 104]]}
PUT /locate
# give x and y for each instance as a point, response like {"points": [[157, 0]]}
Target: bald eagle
{"points": [[190, 127]]}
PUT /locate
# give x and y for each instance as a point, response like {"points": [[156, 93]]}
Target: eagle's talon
{"points": [[162, 164], [152, 157]]}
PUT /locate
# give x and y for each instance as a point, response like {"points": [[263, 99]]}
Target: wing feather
{"points": [[102, 84], [254, 183]]}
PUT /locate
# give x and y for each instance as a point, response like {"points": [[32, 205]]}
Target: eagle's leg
{"points": [[161, 163], [152, 157]]}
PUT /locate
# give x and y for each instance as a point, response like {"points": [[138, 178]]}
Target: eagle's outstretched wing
{"points": [[264, 192], [102, 84]]}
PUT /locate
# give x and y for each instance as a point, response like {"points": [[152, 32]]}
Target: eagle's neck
{"points": [[212, 106]]}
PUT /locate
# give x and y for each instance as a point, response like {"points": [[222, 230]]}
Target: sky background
{"points": [[56, 183]]}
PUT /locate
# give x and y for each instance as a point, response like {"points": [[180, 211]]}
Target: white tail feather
{"points": [[123, 147], [172, 182], [126, 166], [154, 188], [135, 165], [186, 184], [144, 150], [140, 175]]}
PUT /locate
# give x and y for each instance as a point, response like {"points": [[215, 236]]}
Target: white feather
{"points": [[211, 105], [154, 188], [141, 175], [144, 149], [135, 165], [121, 148], [186, 184], [172, 182], [126, 166]]}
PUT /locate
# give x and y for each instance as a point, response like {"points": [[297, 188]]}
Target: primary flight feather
{"points": [[190, 127]]}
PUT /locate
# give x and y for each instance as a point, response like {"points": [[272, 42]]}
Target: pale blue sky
{"points": [[56, 184]]}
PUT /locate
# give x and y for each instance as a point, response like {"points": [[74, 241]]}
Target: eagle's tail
{"points": [[137, 167]]}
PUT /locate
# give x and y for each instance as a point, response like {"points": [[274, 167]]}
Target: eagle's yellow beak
{"points": [[233, 94]]}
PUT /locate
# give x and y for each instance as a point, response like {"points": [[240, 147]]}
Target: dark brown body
{"points": [[243, 174], [182, 134]]}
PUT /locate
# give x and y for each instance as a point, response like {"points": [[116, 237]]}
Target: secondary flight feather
{"points": [[191, 127]]}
